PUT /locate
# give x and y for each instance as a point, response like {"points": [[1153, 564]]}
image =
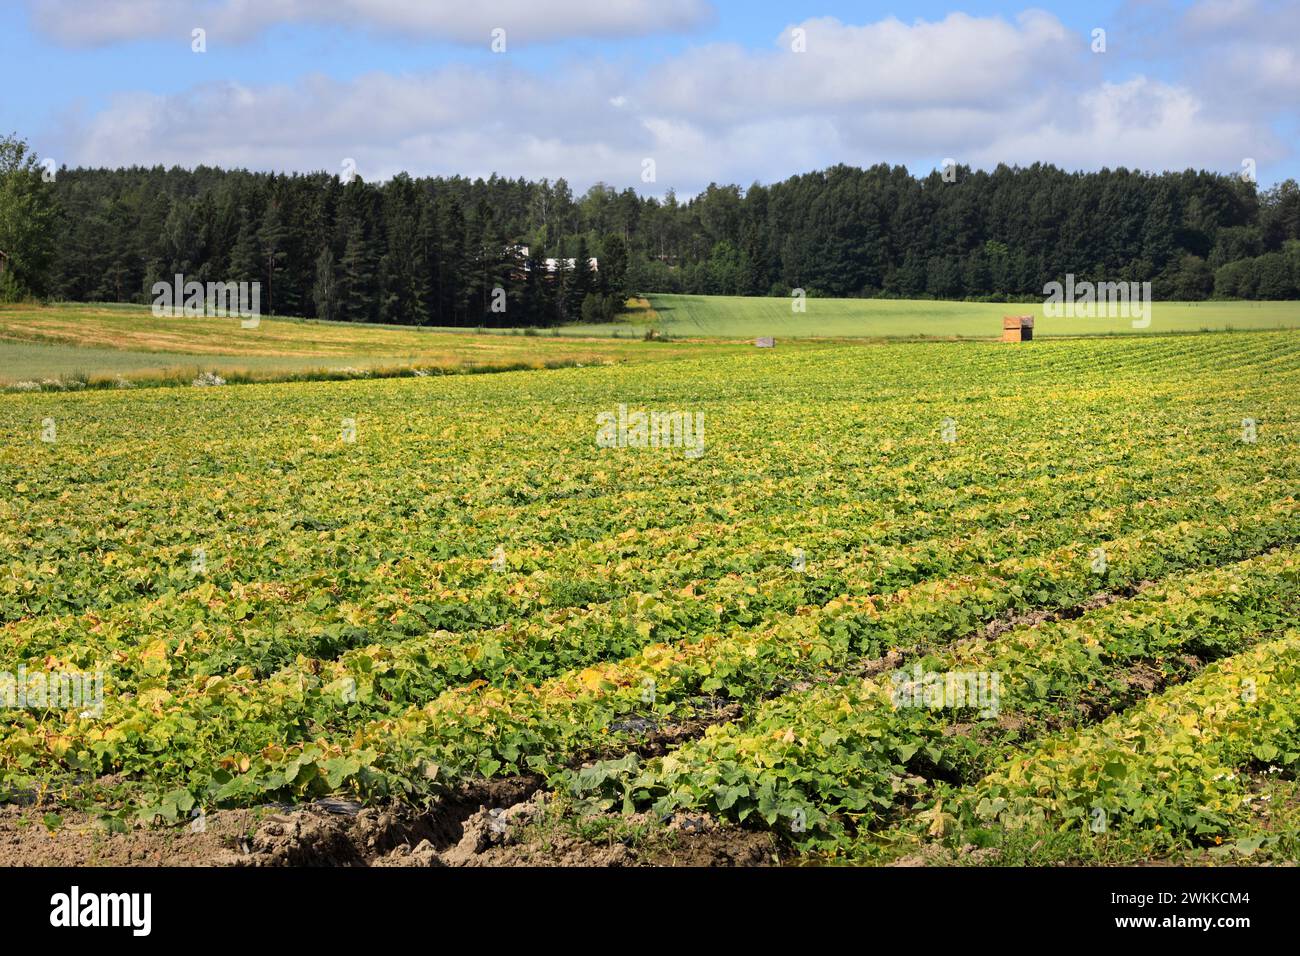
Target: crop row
{"points": [[812, 761], [1175, 762], [258, 627], [476, 729], [271, 504], [351, 630], [55, 568]]}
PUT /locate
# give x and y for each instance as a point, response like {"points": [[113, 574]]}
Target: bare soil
{"points": [[491, 823]]}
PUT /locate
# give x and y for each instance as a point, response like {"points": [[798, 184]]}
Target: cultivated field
{"points": [[638, 655], [741, 317]]}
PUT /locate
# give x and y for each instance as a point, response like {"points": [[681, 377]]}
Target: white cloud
{"points": [[1140, 123], [458, 120], [99, 22], [958, 61], [982, 90], [1248, 50], [1242, 57]]}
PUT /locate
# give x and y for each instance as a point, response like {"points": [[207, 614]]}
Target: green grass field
{"points": [[99, 344], [741, 317]]}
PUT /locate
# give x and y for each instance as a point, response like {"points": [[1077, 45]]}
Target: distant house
{"points": [[553, 264], [550, 265]]}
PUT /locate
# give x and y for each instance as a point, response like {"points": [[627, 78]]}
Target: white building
{"points": [[551, 265]]}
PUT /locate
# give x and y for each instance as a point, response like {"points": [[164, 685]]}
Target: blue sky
{"points": [[706, 91]]}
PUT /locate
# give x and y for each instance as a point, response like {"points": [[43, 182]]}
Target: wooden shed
{"points": [[1017, 328]]}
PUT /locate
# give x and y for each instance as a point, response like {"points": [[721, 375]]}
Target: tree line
{"points": [[411, 252], [456, 251]]}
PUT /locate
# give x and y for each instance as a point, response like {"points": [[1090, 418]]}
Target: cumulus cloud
{"points": [[1241, 55], [980, 90], [1249, 49], [101, 22], [458, 120], [960, 61], [1141, 123]]}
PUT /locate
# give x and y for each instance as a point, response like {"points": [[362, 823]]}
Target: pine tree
{"points": [[613, 267], [325, 288], [534, 300], [581, 281], [356, 288], [429, 240], [403, 271], [271, 238], [244, 257], [452, 265]]}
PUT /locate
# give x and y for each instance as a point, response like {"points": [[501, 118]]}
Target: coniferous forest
{"points": [[432, 250]]}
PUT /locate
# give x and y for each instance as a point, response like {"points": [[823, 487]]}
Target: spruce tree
{"points": [[271, 238], [325, 288], [244, 265], [356, 288]]}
